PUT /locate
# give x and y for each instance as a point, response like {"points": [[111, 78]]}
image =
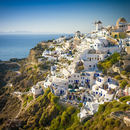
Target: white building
{"points": [[98, 25], [60, 40], [37, 90], [83, 78], [78, 34], [99, 43], [48, 81], [91, 58], [83, 114], [86, 97], [103, 32], [67, 44], [92, 107], [59, 83], [65, 72], [102, 45], [104, 88], [60, 91], [53, 70]]}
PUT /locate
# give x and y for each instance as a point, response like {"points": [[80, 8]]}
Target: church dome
{"points": [[121, 21]]}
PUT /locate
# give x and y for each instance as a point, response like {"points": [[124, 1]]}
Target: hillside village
{"points": [[75, 75]]}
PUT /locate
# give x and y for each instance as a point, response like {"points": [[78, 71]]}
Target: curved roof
{"points": [[121, 21], [98, 22], [78, 32]]}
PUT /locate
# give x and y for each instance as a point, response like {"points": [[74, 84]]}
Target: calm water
{"points": [[18, 46]]}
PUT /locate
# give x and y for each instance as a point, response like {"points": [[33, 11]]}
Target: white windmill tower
{"points": [[98, 25]]}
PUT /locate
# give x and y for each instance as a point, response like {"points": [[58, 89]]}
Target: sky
{"points": [[59, 16]]}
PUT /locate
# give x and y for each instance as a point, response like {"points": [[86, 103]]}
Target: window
{"points": [[96, 75], [83, 73], [82, 77], [99, 80], [115, 36], [109, 79], [82, 82], [87, 74]]}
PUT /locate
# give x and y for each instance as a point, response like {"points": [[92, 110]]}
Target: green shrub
{"points": [[125, 99], [106, 64], [55, 123], [117, 123], [128, 85], [54, 99], [80, 104], [70, 110], [30, 98], [101, 108], [123, 72], [64, 119], [117, 77], [123, 84]]}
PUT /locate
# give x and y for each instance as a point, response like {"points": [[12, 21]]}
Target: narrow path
{"points": [[29, 104], [19, 97]]}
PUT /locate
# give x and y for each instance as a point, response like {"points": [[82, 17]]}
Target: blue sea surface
{"points": [[19, 45]]}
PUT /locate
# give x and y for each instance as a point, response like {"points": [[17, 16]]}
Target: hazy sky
{"points": [[60, 16]]}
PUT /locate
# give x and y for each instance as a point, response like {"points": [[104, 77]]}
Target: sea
{"points": [[19, 45]]}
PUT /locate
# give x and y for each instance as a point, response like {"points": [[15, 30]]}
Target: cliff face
{"points": [[22, 75], [7, 72], [36, 52], [32, 58]]}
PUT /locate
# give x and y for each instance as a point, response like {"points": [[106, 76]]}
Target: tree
{"points": [[117, 77], [123, 84], [80, 104]]}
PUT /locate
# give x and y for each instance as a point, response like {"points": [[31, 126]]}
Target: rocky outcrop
{"points": [[32, 58], [36, 52], [127, 121]]}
